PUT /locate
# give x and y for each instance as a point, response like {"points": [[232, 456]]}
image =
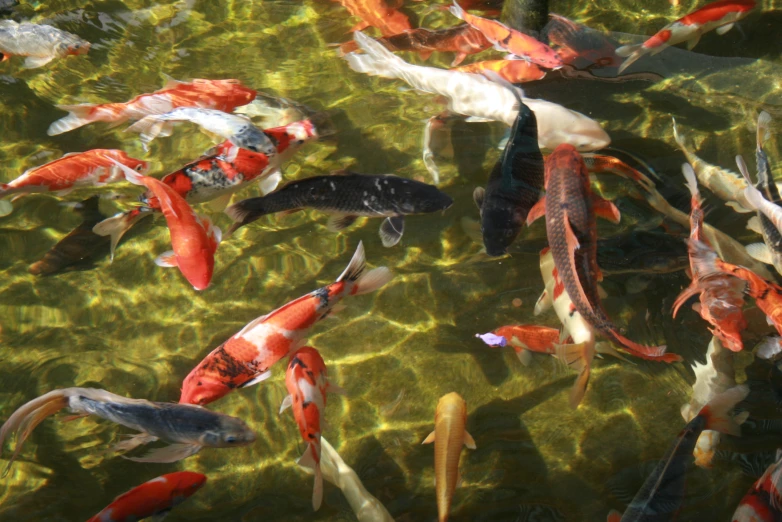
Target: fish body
{"points": [[449, 435], [721, 295], [347, 196], [245, 358], [763, 502], [527, 338], [570, 208], [770, 251], [307, 383], [152, 498], [223, 95], [507, 39], [480, 98], [663, 491], [39, 44], [641, 251], [513, 71], [514, 185], [580, 46], [194, 238], [378, 14], [489, 7], [188, 428], [721, 15]]}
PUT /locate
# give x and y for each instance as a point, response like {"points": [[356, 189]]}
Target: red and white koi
{"points": [[721, 15], [763, 502], [39, 44]]}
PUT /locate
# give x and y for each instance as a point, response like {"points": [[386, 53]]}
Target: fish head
{"points": [[231, 432], [185, 484], [587, 135], [137, 165], [75, 46], [198, 267], [500, 226], [430, 199]]}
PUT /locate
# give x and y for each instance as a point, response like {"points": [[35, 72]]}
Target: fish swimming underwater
{"points": [[721, 15], [153, 498], [223, 95], [756, 201], [307, 383], [763, 502], [92, 168], [188, 428], [39, 44], [513, 71], [449, 435], [377, 13], [525, 339], [245, 359], [347, 196], [580, 46], [643, 251], [663, 491]]}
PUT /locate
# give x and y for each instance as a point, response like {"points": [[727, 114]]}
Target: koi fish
{"points": [[580, 46], [347, 196], [153, 498], [525, 339], [450, 421], [771, 211], [489, 7], [245, 359], [641, 251], [513, 71], [510, 40], [223, 95], [462, 39], [377, 13], [570, 207], [721, 299], [194, 238], [480, 98], [663, 491], [39, 44], [514, 185], [763, 502], [73, 170], [237, 129], [307, 385], [188, 428], [721, 15]]}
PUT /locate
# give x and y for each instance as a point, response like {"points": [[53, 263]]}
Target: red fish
{"points": [[721, 299], [491, 8], [307, 384], [513, 71], [224, 95], [379, 14], [153, 498], [73, 170], [527, 338], [193, 237], [580, 46], [570, 207], [763, 502], [245, 358], [721, 15], [506, 39]]}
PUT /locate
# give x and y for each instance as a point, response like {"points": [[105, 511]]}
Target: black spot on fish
{"points": [[296, 361], [227, 367]]}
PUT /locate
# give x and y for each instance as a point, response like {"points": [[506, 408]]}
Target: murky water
{"points": [[137, 330]]}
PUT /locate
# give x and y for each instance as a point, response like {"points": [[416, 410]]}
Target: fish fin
{"points": [[764, 132], [459, 58], [607, 348], [634, 53], [269, 184], [469, 441], [6, 207], [478, 195], [538, 210], [614, 516], [63, 192], [456, 10], [71, 418], [333, 388], [359, 26], [133, 442], [544, 303], [287, 402], [717, 411], [761, 252], [117, 225], [524, 356], [724, 28], [579, 388], [308, 460], [754, 225], [477, 119], [258, 378], [626, 50], [391, 230], [576, 356], [373, 280], [79, 115], [220, 203], [31, 62], [737, 207], [471, 227], [168, 454], [167, 260], [429, 438], [692, 42], [605, 209], [339, 222]]}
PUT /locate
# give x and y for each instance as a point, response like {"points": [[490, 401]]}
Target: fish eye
{"points": [[139, 168], [230, 439]]}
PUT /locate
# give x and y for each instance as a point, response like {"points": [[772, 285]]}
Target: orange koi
{"points": [[513, 71], [153, 498], [526, 338], [377, 13], [489, 7], [450, 420], [307, 385], [510, 40], [245, 359]]}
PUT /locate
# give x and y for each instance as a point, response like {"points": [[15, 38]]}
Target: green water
{"points": [[137, 330]]}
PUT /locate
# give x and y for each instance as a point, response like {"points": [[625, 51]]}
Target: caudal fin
{"points": [[579, 357], [364, 282], [376, 60], [78, 116], [311, 461], [632, 52], [150, 127], [717, 411], [5, 206], [244, 212]]}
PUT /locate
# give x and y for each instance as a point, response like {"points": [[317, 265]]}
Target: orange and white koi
{"points": [[721, 299], [377, 13], [153, 498], [449, 435], [194, 238], [763, 502], [245, 359], [223, 95], [525, 339], [39, 44], [73, 170], [580, 46], [513, 71], [721, 15], [507, 39], [307, 383]]}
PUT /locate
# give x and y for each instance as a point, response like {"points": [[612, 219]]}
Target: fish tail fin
{"points": [[693, 289], [704, 259], [364, 283], [456, 10], [78, 116], [312, 461], [764, 128], [579, 357], [632, 54], [117, 225], [376, 60], [651, 353], [150, 127], [679, 138], [718, 411], [24, 420], [6, 207], [691, 181], [245, 211]]}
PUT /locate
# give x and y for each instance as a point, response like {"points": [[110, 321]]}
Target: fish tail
{"points": [[377, 60], [78, 116], [312, 461], [651, 353], [364, 283], [632, 53], [704, 259], [717, 411], [691, 181], [118, 224], [245, 211], [6, 207], [579, 357], [680, 140], [764, 132], [457, 10], [150, 127], [693, 289], [24, 420]]}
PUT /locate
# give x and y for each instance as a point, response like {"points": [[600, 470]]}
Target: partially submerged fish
{"points": [[39, 44], [154, 498], [188, 428], [347, 196], [449, 435]]}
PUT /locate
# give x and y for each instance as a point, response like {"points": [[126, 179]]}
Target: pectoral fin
{"points": [[339, 222], [538, 210], [724, 29], [760, 252], [31, 62], [269, 183], [171, 453], [219, 204], [605, 209], [469, 441], [524, 356], [429, 439], [478, 196], [133, 442], [544, 303], [391, 230], [255, 380], [166, 259], [287, 402], [754, 225], [333, 388], [692, 42]]}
